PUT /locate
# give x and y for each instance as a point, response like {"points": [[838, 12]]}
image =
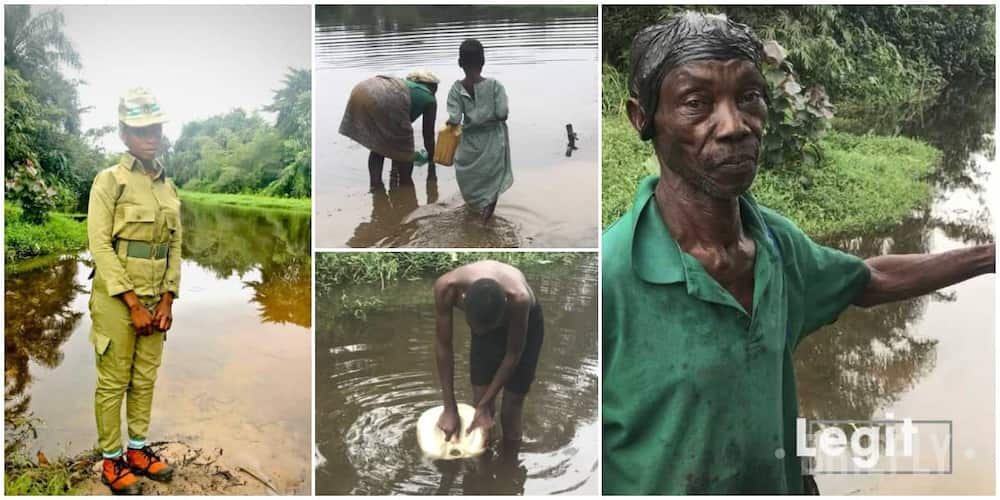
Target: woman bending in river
{"points": [[479, 105], [380, 115]]}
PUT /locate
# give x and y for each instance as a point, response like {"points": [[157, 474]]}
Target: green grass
{"points": [[60, 235], [355, 284], [864, 182], [622, 166], [50, 480], [249, 201], [384, 268], [23, 476]]}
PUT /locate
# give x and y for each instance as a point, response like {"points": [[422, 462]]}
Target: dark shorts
{"points": [[486, 352]]}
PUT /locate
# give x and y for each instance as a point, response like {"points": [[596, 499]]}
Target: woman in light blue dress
{"points": [[479, 105]]}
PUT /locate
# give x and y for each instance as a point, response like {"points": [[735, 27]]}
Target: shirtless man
{"points": [[507, 329]]}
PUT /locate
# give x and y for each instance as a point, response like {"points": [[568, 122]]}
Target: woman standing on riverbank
{"points": [[482, 160], [134, 234]]}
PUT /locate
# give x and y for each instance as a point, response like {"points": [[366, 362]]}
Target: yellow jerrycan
{"points": [[447, 143]]}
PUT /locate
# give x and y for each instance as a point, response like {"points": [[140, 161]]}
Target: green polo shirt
{"points": [[699, 395]]}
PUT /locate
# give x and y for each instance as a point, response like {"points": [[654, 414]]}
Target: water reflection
{"points": [[398, 220], [904, 357], [375, 377], [960, 123], [388, 210], [274, 242], [38, 320], [413, 33]]}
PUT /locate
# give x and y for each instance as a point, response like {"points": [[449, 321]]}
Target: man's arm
{"points": [[900, 277], [517, 333], [444, 300]]}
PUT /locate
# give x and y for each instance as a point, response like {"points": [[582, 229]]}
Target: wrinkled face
{"points": [[709, 124], [143, 142]]}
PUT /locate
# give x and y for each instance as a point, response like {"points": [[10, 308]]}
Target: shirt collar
{"points": [[130, 161], [656, 256]]}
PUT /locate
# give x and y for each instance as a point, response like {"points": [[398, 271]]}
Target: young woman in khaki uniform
{"points": [[134, 232]]}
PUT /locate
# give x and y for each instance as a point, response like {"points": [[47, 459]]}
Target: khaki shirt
{"points": [[127, 204]]}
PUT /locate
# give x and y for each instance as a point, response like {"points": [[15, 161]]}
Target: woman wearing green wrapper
{"points": [[482, 160], [379, 116]]}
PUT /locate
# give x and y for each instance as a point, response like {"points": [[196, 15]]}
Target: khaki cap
{"points": [[139, 108]]}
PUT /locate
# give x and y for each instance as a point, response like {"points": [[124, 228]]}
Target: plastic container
{"points": [[447, 143], [431, 438]]}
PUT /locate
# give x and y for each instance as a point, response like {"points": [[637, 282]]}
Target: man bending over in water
{"points": [[507, 329]]}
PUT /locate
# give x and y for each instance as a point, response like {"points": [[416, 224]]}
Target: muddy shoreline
{"points": [[198, 470]]}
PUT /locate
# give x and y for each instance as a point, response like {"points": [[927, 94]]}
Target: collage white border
{"points": [[994, 207]]}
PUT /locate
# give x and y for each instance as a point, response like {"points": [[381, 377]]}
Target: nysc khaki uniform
{"points": [[134, 231]]}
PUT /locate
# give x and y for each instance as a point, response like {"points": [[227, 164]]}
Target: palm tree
{"points": [[37, 47], [293, 104], [36, 43]]}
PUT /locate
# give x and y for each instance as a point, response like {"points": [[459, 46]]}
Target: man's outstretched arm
{"points": [[900, 277]]}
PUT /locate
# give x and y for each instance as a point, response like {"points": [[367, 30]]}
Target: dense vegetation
{"points": [[58, 234], [892, 60], [239, 152], [350, 284], [334, 270], [48, 162]]}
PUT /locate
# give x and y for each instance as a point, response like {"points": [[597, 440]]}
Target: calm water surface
{"points": [[547, 60], [375, 377], [931, 357], [235, 372]]}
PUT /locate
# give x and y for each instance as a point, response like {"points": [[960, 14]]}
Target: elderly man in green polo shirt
{"points": [[706, 294]]}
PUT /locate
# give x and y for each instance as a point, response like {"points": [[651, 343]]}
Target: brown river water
{"points": [[930, 358], [236, 369], [374, 377], [547, 59]]}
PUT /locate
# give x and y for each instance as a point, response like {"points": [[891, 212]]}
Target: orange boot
{"points": [[119, 477], [143, 461]]}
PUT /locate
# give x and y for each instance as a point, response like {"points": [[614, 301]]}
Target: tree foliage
{"points": [[48, 162], [36, 47], [239, 152], [875, 62]]}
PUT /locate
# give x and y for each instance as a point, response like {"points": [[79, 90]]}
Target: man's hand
{"points": [[483, 419], [163, 315], [450, 424], [142, 320]]}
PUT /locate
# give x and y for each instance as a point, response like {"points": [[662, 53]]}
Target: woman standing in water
{"points": [[482, 160], [380, 116]]}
